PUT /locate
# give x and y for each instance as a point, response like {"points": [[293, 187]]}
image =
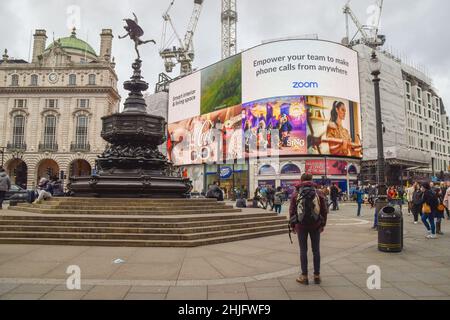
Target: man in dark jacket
{"points": [[215, 192], [334, 194], [308, 226], [5, 185]]}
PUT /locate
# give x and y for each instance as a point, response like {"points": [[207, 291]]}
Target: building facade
{"points": [[415, 123], [51, 108]]}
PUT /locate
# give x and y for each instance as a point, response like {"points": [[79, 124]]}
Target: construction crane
{"points": [[229, 29], [184, 53], [369, 33]]}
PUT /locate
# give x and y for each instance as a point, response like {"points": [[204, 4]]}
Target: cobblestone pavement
{"points": [[257, 269]]}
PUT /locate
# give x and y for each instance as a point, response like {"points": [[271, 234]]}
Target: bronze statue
{"points": [[135, 32]]}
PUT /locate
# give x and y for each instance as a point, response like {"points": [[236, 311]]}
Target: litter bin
{"points": [[390, 229]]}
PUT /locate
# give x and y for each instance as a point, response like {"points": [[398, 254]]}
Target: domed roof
{"points": [[73, 43]]}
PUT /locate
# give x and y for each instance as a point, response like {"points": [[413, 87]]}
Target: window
{"points": [[51, 103], [14, 80], [34, 80], [92, 79], [50, 131], [20, 103], [81, 132], [83, 103], [18, 131], [72, 80]]}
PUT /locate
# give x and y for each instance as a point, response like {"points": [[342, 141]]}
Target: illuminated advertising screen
{"points": [[286, 98]]}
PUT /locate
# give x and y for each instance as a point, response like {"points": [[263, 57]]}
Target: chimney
{"points": [[40, 39], [106, 44]]}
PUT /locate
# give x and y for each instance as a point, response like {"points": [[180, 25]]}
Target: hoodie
{"points": [[5, 182]]}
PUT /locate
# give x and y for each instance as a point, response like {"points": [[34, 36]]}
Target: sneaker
{"points": [[317, 279], [431, 236], [440, 233], [303, 280], [415, 222]]}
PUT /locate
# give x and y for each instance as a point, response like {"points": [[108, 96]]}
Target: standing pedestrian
{"points": [[270, 197], [278, 200], [359, 200], [429, 208], [447, 199], [5, 185], [409, 197], [308, 216], [416, 207], [334, 194], [440, 210]]}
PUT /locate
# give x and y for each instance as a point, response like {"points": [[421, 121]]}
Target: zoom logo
{"points": [[307, 84]]}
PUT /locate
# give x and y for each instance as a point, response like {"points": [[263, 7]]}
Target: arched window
{"points": [[18, 132], [15, 80], [72, 80], [290, 169], [352, 170], [50, 132], [267, 170], [92, 79], [81, 132], [34, 80]]}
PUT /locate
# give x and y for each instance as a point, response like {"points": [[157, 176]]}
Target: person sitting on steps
{"points": [[44, 190]]}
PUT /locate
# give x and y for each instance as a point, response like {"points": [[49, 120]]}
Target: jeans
{"points": [[277, 208], [43, 195], [335, 204], [431, 225], [359, 209], [315, 244], [375, 221], [2, 197], [416, 211]]}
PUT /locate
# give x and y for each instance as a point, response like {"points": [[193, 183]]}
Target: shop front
{"points": [[232, 178]]}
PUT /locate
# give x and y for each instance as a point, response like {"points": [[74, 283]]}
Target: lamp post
{"points": [[375, 67], [3, 155]]}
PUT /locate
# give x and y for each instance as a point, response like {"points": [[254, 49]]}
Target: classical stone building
{"points": [[51, 107]]}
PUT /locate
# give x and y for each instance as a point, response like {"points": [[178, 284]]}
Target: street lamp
{"points": [[375, 67], [3, 155]]}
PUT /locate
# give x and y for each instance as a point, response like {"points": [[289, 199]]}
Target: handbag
{"points": [[441, 208], [426, 209]]}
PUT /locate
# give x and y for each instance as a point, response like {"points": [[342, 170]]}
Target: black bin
{"points": [[390, 229]]}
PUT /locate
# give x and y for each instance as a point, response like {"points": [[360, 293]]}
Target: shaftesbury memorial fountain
{"points": [[132, 166]]}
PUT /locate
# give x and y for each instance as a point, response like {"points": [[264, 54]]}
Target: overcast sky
{"points": [[417, 29]]}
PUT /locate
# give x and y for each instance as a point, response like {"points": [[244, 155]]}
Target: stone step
{"points": [[128, 208], [138, 219], [140, 243], [11, 221], [128, 201], [137, 236], [124, 212], [139, 229]]}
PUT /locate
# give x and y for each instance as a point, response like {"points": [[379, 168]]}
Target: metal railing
{"points": [[48, 147], [80, 147], [16, 146]]}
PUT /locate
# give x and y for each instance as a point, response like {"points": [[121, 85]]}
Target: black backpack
{"points": [[308, 206]]}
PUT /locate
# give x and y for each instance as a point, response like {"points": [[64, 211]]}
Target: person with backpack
{"points": [[5, 185], [278, 200], [308, 217]]}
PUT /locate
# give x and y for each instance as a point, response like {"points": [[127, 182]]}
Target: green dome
{"points": [[74, 43]]}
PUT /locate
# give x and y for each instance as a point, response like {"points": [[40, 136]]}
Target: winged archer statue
{"points": [[135, 32]]}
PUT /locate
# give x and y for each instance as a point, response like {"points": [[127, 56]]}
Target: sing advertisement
{"points": [[286, 98]]}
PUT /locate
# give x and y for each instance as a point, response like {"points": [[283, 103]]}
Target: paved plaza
{"points": [[257, 269]]}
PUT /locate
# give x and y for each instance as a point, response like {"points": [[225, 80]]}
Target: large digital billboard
{"points": [[287, 98]]}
